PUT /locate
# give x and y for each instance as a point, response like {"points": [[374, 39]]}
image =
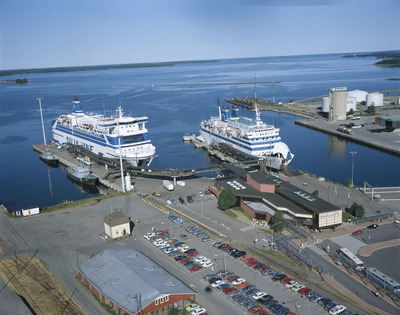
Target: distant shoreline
{"points": [[100, 67]]}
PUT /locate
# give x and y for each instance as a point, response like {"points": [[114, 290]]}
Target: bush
{"points": [[357, 210]]}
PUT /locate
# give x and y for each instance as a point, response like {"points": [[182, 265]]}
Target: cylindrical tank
{"points": [[351, 103], [225, 113], [375, 99], [235, 111], [325, 104], [358, 94]]}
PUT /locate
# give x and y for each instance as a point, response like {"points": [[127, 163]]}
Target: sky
{"points": [[57, 33]]}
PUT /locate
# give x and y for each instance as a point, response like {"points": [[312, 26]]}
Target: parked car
{"points": [[282, 311], [195, 267], [337, 309], [330, 305], [255, 308], [206, 239], [297, 287], [285, 280], [210, 276], [324, 301], [358, 232], [259, 295], [316, 297], [183, 236], [232, 278], [311, 293], [304, 290], [192, 307], [238, 281], [198, 311], [372, 226], [291, 284]]}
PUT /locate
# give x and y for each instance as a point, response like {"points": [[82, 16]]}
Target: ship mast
{"points": [[41, 116]]}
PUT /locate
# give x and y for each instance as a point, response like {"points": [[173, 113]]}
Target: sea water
{"points": [[175, 104]]}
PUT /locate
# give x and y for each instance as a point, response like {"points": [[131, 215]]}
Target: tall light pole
{"points": [[352, 167]]}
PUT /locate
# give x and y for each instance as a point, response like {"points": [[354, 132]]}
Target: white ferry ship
{"points": [[108, 137], [251, 137]]}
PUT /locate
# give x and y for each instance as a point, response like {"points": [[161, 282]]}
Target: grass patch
{"points": [[69, 204], [230, 213], [277, 256]]}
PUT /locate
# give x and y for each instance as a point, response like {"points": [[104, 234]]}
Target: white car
{"points": [[259, 295], [297, 287], [291, 284], [198, 311], [206, 264], [201, 194], [238, 281], [337, 309], [148, 236], [217, 283], [397, 221], [198, 258]]}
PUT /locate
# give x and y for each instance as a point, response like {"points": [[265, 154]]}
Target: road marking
{"points": [[247, 228]]}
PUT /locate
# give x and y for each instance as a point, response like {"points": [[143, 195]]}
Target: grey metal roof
{"points": [[124, 275]]}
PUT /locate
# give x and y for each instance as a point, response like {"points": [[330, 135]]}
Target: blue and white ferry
{"points": [[108, 137], [251, 137]]}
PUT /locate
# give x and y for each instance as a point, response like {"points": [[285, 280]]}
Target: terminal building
{"points": [[261, 195], [131, 283]]}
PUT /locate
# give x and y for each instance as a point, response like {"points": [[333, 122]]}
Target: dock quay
{"points": [[109, 173], [372, 135], [70, 160]]}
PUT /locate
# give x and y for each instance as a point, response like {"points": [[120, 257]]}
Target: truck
{"points": [[168, 185]]}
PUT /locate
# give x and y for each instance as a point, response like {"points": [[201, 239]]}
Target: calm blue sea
{"points": [[25, 181]]}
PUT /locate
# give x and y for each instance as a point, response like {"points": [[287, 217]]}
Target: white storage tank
{"points": [[360, 96], [375, 99], [325, 104], [351, 104]]}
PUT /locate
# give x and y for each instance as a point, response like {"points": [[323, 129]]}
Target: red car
{"points": [[232, 278], [262, 312], [358, 232], [227, 248], [286, 280], [192, 253], [304, 290], [195, 268], [229, 289], [253, 263], [255, 308]]}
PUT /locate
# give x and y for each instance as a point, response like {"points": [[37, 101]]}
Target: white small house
{"points": [[116, 225], [32, 211]]}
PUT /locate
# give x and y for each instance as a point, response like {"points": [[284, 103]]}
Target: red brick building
{"points": [[131, 283]]}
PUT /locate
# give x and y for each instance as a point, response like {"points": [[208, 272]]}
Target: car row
{"points": [[267, 300], [245, 293], [182, 252]]}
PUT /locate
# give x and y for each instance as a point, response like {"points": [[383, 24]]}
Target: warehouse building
{"points": [[261, 195], [389, 122], [131, 283]]}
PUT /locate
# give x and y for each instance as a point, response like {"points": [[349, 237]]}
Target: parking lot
{"points": [[222, 260]]}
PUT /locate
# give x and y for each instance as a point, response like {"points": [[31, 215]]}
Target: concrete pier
{"points": [[371, 135], [106, 178]]}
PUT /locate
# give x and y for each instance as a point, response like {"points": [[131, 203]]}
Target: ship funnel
{"points": [[235, 111], [225, 113], [77, 107]]}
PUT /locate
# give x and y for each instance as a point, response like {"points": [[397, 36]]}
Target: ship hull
{"points": [[92, 181]]}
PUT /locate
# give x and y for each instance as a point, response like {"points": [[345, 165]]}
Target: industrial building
{"points": [[261, 195], [389, 122], [116, 225], [338, 103], [131, 283]]}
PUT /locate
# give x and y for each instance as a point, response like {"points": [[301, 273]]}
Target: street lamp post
{"points": [[224, 263], [352, 167]]}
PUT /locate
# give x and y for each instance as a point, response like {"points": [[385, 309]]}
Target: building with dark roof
{"points": [[131, 283], [277, 194], [116, 225]]}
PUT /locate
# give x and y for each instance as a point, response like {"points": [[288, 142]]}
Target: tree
{"points": [[278, 222], [350, 112], [371, 110], [348, 182], [357, 210], [226, 199]]}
